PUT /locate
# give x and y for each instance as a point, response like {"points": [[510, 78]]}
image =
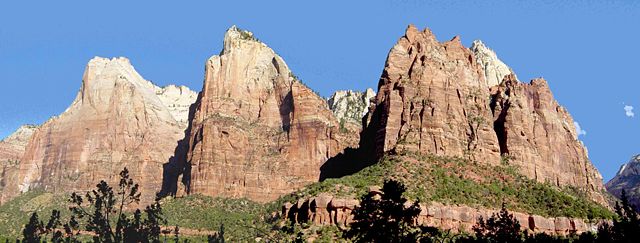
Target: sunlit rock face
{"points": [[257, 132], [11, 149], [445, 99], [117, 120], [627, 179], [350, 106]]}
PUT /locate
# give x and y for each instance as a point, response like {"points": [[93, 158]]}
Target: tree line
{"points": [[100, 215]]}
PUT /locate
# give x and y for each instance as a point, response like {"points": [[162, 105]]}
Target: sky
{"points": [[586, 50]]}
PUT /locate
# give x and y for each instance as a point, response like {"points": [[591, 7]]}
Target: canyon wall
{"points": [[257, 131], [117, 120], [445, 99]]}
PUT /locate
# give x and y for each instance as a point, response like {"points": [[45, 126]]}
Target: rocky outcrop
{"points": [[11, 149], [627, 179], [350, 106], [441, 98], [494, 69], [177, 99], [325, 209], [257, 132], [539, 136], [117, 120]]}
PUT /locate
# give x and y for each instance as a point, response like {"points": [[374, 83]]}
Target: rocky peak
{"points": [[21, 136], [239, 39], [444, 99], [117, 120], [256, 132], [350, 106], [177, 99], [627, 179], [494, 69]]}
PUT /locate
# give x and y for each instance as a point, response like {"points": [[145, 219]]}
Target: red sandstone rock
{"points": [[117, 120], [446, 217], [434, 98], [257, 132]]}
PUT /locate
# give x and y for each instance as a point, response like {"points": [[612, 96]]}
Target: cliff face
{"points": [[444, 99], [117, 120], [350, 106], [257, 132], [627, 179], [539, 136], [11, 149]]}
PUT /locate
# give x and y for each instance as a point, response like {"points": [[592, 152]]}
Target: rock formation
{"points": [[117, 120], [539, 136], [177, 99], [326, 209], [627, 179], [257, 132], [350, 106], [494, 69], [441, 98], [11, 149]]}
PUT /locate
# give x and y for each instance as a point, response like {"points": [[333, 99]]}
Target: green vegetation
{"points": [[458, 181], [243, 220], [427, 178]]}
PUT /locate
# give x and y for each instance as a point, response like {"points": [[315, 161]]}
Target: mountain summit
{"points": [[118, 119]]}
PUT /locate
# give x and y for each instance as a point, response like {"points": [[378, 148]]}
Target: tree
{"points": [[385, 219], [501, 228], [626, 226], [33, 230], [104, 217]]}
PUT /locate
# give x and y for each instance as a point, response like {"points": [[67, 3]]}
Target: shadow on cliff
{"points": [[178, 165], [353, 160]]}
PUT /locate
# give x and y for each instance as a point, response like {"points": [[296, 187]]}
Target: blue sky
{"points": [[587, 50]]}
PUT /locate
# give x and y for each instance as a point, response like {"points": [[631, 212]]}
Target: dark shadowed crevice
{"points": [[178, 165], [499, 125]]}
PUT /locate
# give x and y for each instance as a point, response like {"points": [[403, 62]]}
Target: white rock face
{"points": [[494, 69], [177, 99], [350, 106], [20, 137]]}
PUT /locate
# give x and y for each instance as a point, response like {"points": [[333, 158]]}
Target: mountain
{"points": [[444, 99], [11, 149], [627, 179], [257, 131], [350, 106], [117, 120]]}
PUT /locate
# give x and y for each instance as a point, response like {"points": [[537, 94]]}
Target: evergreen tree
{"points": [[33, 230], [500, 228], [385, 219]]}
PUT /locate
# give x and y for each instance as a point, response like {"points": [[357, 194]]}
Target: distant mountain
{"points": [[627, 179], [117, 120], [350, 106]]}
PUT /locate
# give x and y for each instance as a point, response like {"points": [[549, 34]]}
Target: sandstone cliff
{"points": [[257, 132], [350, 106], [117, 120], [11, 149], [627, 179], [442, 98]]}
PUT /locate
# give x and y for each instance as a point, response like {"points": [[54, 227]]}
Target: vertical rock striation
{"points": [[11, 149], [539, 136], [257, 132], [117, 120], [445, 99]]}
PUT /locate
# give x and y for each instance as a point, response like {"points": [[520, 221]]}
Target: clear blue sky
{"points": [[587, 50]]}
